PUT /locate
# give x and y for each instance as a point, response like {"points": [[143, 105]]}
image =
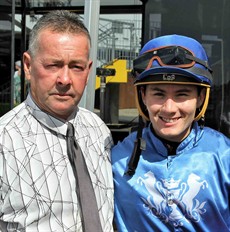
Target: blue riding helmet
{"points": [[172, 59]]}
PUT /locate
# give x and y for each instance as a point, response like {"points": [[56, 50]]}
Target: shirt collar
{"points": [[188, 143], [54, 124]]}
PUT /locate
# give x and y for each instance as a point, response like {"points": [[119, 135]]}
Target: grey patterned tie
{"points": [[84, 188]]}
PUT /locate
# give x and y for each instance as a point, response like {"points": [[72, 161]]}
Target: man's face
{"points": [[172, 109], [58, 72]]}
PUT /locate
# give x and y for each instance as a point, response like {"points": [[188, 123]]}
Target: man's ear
{"points": [[90, 67], [201, 97], [27, 65]]}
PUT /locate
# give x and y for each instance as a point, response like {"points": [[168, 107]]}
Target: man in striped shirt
{"points": [[37, 184]]}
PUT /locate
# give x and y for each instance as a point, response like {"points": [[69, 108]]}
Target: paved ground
{"points": [[128, 115], [125, 115]]}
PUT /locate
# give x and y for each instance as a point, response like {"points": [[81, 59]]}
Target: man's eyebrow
{"points": [[154, 88], [78, 61], [184, 89]]}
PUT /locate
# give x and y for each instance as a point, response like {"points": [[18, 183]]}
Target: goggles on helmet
{"points": [[175, 56]]}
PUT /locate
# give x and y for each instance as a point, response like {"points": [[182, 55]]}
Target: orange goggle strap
{"points": [[145, 114]]}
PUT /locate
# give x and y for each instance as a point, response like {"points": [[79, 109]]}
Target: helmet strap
{"points": [[139, 145], [204, 107], [202, 122]]}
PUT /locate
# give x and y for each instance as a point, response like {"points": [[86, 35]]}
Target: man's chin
{"points": [[63, 112], [170, 135]]}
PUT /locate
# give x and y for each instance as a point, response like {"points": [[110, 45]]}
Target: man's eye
{"points": [[78, 67], [182, 94], [158, 94], [52, 65]]}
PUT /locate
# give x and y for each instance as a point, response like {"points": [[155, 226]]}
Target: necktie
{"points": [[84, 187]]}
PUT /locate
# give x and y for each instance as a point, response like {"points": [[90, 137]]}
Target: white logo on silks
{"points": [[172, 200]]}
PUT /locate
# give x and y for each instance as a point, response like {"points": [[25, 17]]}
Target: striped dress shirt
{"points": [[37, 185]]}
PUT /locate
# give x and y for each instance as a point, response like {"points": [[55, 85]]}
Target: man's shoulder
{"points": [[213, 136], [213, 132], [90, 121], [14, 116], [88, 116], [84, 111]]}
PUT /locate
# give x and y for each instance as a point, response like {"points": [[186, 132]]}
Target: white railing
{"points": [[118, 40]]}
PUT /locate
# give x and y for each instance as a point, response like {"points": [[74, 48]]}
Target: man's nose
{"points": [[64, 76], [169, 105]]}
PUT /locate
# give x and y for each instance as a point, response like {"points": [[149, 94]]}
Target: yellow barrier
{"points": [[121, 75]]}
